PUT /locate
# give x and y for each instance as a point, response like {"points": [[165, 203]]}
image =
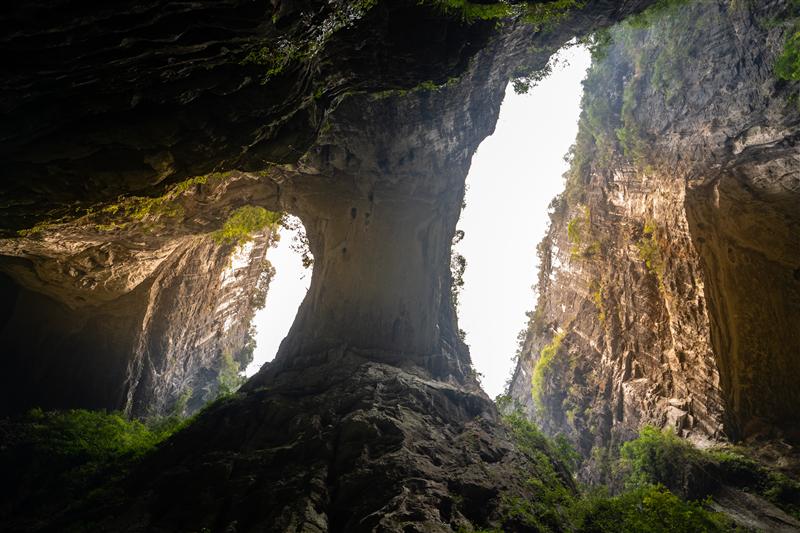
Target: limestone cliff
{"points": [[133, 307], [669, 291]]}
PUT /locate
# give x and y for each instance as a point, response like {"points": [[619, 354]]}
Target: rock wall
{"points": [[131, 310], [326, 110], [668, 293]]}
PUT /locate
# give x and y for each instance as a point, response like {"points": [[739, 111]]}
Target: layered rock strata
{"points": [[668, 294]]}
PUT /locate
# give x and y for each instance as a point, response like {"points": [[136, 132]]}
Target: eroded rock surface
{"points": [[335, 442], [669, 264]]}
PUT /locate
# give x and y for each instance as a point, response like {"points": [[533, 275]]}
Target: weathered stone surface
{"points": [[335, 442], [676, 287]]}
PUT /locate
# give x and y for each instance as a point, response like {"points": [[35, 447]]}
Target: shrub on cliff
{"points": [[787, 67], [558, 506], [661, 457], [544, 370], [243, 223]]}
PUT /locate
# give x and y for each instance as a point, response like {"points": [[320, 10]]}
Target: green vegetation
{"points": [[310, 39], [654, 13], [649, 250], [137, 208], [787, 66], [542, 15], [556, 506], [579, 234], [425, 86], [661, 457], [550, 479], [274, 59], [458, 265], [656, 457], [244, 222], [128, 210], [229, 377], [54, 457], [544, 368], [91, 435], [300, 243], [646, 52], [649, 508], [597, 298], [471, 12]]}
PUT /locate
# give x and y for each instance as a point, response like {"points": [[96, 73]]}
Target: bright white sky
{"points": [[514, 175]]}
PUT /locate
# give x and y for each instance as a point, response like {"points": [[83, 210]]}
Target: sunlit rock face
{"points": [[137, 318], [671, 268]]}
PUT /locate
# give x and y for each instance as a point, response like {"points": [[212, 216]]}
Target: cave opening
{"points": [[514, 175], [135, 259], [293, 266]]}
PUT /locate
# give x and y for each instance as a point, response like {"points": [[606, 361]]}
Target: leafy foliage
{"points": [[244, 222], [541, 15], [661, 457], [544, 367], [579, 233], [315, 32], [549, 479], [648, 508], [787, 66], [458, 265], [655, 457], [644, 507], [300, 243], [55, 457], [649, 250], [229, 377]]}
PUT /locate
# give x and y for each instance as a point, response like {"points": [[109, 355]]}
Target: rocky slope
{"points": [[339, 442], [669, 293]]}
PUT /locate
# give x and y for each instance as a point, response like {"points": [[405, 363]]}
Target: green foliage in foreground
{"points": [[787, 66], [656, 457], [52, 459], [243, 223], [544, 367], [89, 435], [644, 507], [661, 457], [649, 508]]}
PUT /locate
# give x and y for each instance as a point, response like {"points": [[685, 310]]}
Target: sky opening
{"points": [[514, 175], [286, 291]]}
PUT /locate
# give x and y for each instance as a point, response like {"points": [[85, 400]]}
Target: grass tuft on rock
{"points": [[244, 223]]}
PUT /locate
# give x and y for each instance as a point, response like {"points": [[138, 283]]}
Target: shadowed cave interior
{"points": [[152, 150]]}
